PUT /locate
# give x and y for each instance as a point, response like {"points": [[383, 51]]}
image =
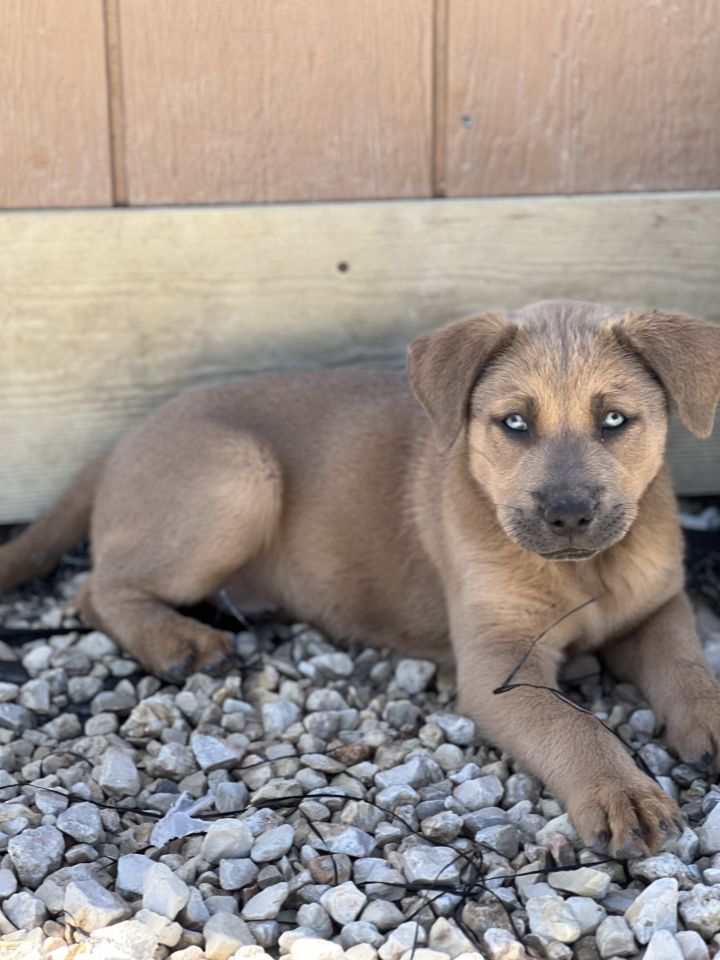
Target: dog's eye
{"points": [[613, 420], [515, 422]]}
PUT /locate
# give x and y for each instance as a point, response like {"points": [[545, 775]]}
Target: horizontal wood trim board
{"points": [[105, 314]]}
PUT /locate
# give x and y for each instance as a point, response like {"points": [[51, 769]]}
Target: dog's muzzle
{"points": [[567, 526]]}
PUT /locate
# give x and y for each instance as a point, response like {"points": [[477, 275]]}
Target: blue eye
{"points": [[613, 420], [515, 422]]}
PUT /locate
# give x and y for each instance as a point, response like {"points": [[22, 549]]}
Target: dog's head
{"points": [[563, 410]]}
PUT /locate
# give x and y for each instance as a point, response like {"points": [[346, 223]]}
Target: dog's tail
{"points": [[39, 548]]}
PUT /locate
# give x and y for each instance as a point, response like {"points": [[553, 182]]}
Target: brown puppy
{"points": [[535, 483]]}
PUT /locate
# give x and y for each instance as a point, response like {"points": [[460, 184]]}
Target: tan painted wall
{"points": [[205, 101], [54, 126], [276, 99], [582, 96]]}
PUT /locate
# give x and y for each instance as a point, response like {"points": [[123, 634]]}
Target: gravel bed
{"points": [[315, 804]]}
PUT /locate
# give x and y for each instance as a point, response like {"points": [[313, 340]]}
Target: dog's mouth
{"points": [[569, 553], [529, 531]]}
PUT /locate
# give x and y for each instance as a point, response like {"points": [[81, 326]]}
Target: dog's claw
{"points": [[671, 830], [219, 667], [630, 850], [601, 841], [177, 673]]}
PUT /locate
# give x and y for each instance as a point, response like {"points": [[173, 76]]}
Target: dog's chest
{"points": [[626, 592]]}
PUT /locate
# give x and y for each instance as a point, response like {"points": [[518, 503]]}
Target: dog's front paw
{"points": [[693, 725], [196, 647], [625, 819]]}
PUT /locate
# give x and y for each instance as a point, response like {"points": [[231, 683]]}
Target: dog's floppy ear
{"points": [[444, 364], [684, 354]]}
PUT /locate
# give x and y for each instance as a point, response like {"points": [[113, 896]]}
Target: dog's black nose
{"points": [[569, 515]]}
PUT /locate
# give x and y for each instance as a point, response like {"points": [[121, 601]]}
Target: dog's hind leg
{"points": [[39, 548], [167, 643], [170, 526]]}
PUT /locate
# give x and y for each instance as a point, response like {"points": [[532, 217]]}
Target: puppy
{"points": [[518, 475]]}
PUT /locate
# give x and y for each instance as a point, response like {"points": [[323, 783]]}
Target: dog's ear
{"points": [[444, 364], [684, 354]]}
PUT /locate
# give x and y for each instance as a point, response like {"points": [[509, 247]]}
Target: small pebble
{"points": [[588, 913], [215, 753], [226, 839], [8, 883], [663, 946], [442, 827], [267, 904], [709, 832], [700, 910], [425, 864], [344, 902], [458, 730], [550, 917], [615, 938], [413, 676], [164, 892], [501, 945], [692, 945], [223, 934], [25, 911], [654, 909], [131, 872], [81, 822], [88, 905], [118, 775], [316, 917], [35, 853], [407, 936], [272, 844], [480, 792], [585, 882], [447, 937]]}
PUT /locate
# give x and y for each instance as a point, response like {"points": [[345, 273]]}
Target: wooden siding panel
{"points": [[575, 96], [54, 133], [281, 100]]}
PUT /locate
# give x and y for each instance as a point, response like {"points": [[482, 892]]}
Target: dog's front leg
{"points": [[665, 659], [614, 806]]}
